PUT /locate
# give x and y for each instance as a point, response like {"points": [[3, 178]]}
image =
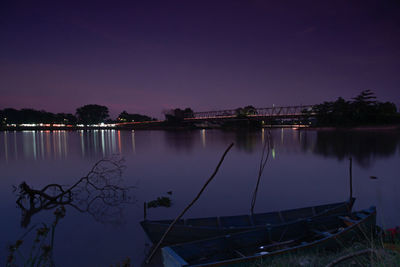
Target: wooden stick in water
{"points": [[263, 161], [351, 178], [191, 204], [145, 210]]}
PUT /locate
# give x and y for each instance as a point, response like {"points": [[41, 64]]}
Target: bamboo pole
{"points": [[145, 210], [263, 161], [351, 178], [191, 204]]}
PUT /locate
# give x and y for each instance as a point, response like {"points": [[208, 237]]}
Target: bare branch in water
{"points": [[99, 193]]}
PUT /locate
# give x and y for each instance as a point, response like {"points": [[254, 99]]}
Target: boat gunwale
{"points": [[348, 203]]}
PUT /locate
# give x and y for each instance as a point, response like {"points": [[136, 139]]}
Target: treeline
{"points": [[363, 109], [14, 116], [88, 114]]}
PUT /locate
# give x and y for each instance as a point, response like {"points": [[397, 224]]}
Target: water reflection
{"points": [[182, 141], [203, 137], [6, 147], [100, 143], [248, 141], [362, 146], [133, 142]]}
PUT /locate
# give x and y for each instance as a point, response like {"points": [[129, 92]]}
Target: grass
{"points": [[160, 202], [377, 257], [384, 251]]}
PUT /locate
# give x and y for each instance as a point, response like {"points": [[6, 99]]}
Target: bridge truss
{"points": [[272, 112]]}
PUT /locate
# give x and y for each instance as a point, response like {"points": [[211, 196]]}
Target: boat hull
{"points": [[201, 228]]}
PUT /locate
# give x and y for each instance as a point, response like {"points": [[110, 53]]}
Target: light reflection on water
{"points": [[305, 168], [41, 145]]}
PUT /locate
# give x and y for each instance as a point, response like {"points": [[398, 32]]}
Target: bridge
{"points": [[287, 112]]}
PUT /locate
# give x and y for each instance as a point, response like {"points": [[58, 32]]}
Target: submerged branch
{"points": [[99, 193]]}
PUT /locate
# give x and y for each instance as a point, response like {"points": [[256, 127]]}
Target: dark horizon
{"points": [[144, 57]]}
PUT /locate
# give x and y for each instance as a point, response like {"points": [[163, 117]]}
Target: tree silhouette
{"points": [[176, 116], [363, 110], [244, 112], [126, 117], [91, 114]]}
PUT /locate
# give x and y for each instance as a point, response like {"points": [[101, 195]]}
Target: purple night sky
{"points": [[147, 56]]}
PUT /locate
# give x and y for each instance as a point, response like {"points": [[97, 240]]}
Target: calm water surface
{"points": [[305, 168]]}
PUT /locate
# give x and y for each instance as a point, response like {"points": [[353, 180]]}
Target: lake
{"points": [[305, 167]]}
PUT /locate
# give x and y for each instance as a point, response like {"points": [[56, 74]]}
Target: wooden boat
{"points": [[249, 247], [201, 228]]}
